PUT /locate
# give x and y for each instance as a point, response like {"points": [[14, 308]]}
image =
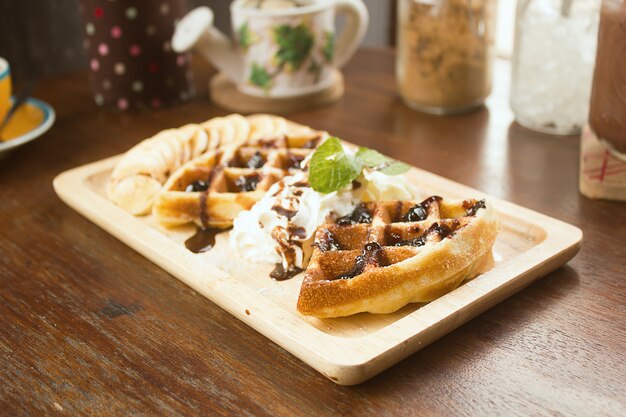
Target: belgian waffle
{"points": [[140, 174], [213, 189], [388, 254]]}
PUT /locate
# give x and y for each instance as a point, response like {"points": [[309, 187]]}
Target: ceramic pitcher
{"points": [[281, 49]]}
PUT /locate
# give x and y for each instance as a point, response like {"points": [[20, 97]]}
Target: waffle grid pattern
{"points": [[381, 234], [233, 178]]}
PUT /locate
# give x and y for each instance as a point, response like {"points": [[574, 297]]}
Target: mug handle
{"points": [[352, 35]]}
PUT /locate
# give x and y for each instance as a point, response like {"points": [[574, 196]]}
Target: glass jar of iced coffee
{"points": [[445, 53], [607, 113]]}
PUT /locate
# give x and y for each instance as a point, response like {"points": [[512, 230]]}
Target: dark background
{"points": [[42, 37]]}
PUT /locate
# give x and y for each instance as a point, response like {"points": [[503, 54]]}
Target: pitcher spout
{"points": [[196, 31]]}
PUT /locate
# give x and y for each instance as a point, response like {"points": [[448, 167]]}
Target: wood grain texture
{"points": [[79, 337]]}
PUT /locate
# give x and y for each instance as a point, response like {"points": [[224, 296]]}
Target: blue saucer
{"points": [[47, 121]]}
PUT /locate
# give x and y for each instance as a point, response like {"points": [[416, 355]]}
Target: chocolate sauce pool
{"points": [[280, 274], [203, 240]]}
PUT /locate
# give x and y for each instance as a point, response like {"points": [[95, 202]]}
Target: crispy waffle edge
{"points": [[438, 269]]}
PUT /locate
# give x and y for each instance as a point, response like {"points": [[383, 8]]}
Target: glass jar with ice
{"points": [[553, 58]]}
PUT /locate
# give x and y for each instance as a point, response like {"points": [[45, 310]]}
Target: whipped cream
{"points": [[279, 229], [377, 186]]}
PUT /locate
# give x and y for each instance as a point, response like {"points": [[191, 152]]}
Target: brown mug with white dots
{"points": [[131, 60]]}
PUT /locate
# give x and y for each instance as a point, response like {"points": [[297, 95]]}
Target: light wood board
{"points": [[347, 350]]}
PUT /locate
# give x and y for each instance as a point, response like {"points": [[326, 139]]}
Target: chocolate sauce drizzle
{"points": [[398, 211], [294, 161], [268, 143], [297, 231], [392, 238], [197, 186], [312, 143], [204, 215], [328, 242], [442, 230], [360, 215], [419, 212], [300, 184], [257, 161], [372, 254], [295, 236], [288, 213], [473, 208], [415, 214], [247, 182]]}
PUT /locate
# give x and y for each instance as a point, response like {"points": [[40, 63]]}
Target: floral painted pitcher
{"points": [[282, 48]]}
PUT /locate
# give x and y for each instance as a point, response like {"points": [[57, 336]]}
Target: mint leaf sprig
{"points": [[331, 168]]}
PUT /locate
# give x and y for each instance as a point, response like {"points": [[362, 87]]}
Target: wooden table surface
{"points": [[89, 327]]}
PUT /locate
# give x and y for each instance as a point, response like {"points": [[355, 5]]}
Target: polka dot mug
{"points": [[130, 56]]}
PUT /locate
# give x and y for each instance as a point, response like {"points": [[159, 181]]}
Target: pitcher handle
{"points": [[352, 35]]}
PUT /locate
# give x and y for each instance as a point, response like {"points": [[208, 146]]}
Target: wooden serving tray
{"points": [[347, 350]]}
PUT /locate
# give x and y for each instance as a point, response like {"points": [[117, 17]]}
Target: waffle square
{"points": [[213, 189], [388, 254], [141, 172]]}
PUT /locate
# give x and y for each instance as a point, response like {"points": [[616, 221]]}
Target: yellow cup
{"points": [[5, 88]]}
